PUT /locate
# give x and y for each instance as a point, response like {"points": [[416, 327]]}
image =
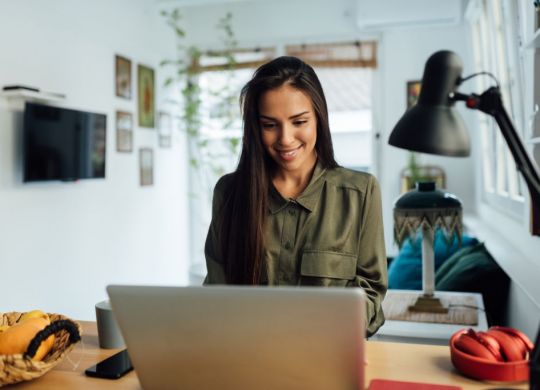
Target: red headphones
{"points": [[500, 354]]}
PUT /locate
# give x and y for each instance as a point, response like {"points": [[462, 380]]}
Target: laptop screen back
{"points": [[243, 337]]}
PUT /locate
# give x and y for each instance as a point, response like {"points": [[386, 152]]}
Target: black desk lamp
{"points": [[434, 126]]}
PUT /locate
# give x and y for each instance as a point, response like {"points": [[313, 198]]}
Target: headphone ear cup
{"points": [[468, 344], [517, 334], [490, 343], [511, 349]]}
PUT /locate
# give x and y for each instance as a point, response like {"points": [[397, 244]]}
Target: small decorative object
{"points": [[425, 210], [123, 77], [21, 367], [164, 130], [146, 165], [124, 131], [146, 96], [415, 172], [413, 91]]}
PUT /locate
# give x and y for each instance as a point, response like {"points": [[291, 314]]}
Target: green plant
{"points": [[186, 71], [414, 169]]}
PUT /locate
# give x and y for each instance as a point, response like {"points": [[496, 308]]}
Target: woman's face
{"points": [[289, 128]]}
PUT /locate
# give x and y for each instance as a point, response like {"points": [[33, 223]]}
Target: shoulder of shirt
{"points": [[347, 178]]}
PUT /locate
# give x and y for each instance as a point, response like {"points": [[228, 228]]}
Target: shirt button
{"points": [[288, 245], [291, 211]]}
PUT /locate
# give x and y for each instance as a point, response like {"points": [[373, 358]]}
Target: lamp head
{"points": [[433, 125]]}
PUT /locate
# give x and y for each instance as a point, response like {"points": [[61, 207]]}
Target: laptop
{"points": [[234, 338]]}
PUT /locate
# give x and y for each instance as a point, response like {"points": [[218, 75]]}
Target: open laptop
{"points": [[224, 337]]}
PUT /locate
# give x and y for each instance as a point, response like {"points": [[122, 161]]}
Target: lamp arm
{"points": [[490, 102]]}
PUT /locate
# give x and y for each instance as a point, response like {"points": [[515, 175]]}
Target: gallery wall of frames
{"points": [[141, 90]]}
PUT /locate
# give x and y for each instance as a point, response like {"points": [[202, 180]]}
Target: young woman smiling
{"points": [[289, 215]]}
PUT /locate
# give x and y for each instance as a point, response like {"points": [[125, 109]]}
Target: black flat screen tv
{"points": [[63, 144]]}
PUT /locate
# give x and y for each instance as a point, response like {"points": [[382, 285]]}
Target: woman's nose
{"points": [[286, 135]]}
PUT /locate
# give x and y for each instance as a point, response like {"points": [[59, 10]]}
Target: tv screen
{"points": [[63, 144]]}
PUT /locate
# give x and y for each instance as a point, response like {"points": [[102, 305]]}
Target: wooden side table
{"points": [[426, 332]]}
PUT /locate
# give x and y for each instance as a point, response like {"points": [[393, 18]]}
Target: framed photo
{"points": [[124, 131], [164, 130], [146, 96], [413, 91], [123, 77], [146, 166]]}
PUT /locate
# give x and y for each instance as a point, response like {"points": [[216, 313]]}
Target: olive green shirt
{"points": [[330, 235]]}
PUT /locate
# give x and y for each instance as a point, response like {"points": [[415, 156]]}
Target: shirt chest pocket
{"points": [[325, 268]]}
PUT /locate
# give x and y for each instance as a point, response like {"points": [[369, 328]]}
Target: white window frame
{"points": [[495, 49]]}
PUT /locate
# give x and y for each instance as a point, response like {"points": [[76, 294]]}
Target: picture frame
{"points": [[164, 130], [124, 131], [413, 91], [122, 77], [146, 96], [146, 166]]}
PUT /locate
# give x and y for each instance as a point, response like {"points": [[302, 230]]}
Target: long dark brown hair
{"points": [[242, 227]]}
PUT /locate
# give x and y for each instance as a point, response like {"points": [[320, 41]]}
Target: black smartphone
{"points": [[111, 368]]}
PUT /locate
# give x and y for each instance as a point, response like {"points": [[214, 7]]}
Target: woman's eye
{"points": [[267, 125], [299, 123]]}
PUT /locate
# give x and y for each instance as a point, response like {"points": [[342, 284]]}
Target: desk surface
{"points": [[398, 361]]}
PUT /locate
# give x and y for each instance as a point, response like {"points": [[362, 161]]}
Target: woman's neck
{"points": [[291, 184]]}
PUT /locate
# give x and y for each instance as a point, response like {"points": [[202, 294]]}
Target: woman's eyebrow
{"points": [[291, 117]]}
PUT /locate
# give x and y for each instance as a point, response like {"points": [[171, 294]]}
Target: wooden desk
{"points": [[398, 361]]}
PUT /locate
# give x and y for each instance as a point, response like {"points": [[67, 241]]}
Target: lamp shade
{"points": [[433, 125], [427, 208]]}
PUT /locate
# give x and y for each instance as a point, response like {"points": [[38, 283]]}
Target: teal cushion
{"points": [[405, 271], [473, 269]]}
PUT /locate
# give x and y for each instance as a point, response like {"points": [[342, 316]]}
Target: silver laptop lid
{"points": [[224, 337]]}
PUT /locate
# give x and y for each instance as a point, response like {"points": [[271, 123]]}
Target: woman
{"points": [[289, 215]]}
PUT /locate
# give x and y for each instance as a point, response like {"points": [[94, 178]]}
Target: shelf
{"points": [[23, 94], [534, 42]]}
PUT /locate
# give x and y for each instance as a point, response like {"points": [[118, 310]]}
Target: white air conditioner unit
{"points": [[395, 14]]}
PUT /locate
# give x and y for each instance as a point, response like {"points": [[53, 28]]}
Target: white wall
{"points": [[257, 23], [62, 243]]}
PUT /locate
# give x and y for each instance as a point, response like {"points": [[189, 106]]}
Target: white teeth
{"points": [[289, 153]]}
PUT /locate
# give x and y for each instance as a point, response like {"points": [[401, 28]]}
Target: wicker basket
{"points": [[18, 368]]}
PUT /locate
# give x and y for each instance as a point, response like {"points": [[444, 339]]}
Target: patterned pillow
{"points": [[405, 271]]}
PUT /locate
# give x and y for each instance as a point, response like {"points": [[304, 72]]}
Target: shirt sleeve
{"points": [[214, 262], [371, 269]]}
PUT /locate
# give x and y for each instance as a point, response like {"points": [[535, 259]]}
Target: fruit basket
{"points": [[21, 367]]}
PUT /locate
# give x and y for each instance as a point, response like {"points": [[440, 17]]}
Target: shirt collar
{"points": [[307, 199]]}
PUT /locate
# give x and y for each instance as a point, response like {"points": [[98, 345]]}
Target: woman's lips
{"points": [[290, 154]]}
